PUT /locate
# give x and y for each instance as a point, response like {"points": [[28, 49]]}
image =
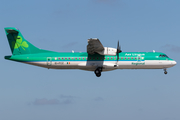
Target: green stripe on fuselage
{"points": [[55, 56]]}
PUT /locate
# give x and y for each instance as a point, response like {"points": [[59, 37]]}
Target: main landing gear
{"points": [[98, 71], [165, 72]]}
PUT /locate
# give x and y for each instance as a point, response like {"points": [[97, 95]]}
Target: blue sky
{"points": [[34, 93]]}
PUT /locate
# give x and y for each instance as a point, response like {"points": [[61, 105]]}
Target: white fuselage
{"points": [[107, 65]]}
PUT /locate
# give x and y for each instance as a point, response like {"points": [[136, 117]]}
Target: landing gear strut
{"points": [[98, 71], [165, 72]]}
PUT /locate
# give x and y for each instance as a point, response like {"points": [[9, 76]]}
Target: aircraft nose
{"points": [[173, 62]]}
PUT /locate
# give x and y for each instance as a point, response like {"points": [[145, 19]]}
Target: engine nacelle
{"points": [[108, 51]]}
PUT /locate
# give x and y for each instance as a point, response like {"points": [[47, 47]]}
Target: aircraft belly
{"points": [[147, 64], [158, 64], [57, 65], [92, 65], [40, 64], [65, 65], [107, 65]]}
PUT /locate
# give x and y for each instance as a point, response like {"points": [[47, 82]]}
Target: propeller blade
{"points": [[117, 57], [118, 51], [118, 48]]}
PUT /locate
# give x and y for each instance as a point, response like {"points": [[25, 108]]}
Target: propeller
{"points": [[118, 51], [118, 48]]}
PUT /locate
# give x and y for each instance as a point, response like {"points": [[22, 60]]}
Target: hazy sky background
{"points": [[34, 93]]}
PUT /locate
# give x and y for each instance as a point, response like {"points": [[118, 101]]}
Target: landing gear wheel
{"points": [[98, 71], [98, 75], [165, 72]]}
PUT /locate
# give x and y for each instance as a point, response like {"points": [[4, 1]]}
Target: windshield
{"points": [[163, 55]]}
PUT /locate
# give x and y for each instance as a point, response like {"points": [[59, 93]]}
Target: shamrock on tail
{"points": [[19, 43]]}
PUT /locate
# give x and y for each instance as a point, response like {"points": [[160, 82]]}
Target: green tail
{"points": [[18, 44]]}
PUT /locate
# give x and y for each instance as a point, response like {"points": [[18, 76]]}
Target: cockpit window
{"points": [[163, 55]]}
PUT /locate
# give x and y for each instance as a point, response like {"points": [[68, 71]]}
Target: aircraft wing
{"points": [[94, 46]]}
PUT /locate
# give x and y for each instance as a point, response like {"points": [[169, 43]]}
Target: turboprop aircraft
{"points": [[97, 58]]}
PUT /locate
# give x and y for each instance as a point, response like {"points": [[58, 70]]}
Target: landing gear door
{"points": [[49, 61]]}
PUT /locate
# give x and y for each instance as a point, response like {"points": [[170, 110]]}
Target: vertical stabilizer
{"points": [[18, 44]]}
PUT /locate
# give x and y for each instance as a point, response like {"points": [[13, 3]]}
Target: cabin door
{"points": [[49, 61]]}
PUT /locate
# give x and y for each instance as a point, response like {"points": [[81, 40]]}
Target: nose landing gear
{"points": [[165, 72], [98, 71]]}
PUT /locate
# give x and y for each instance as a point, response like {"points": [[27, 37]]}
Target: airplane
{"points": [[97, 58]]}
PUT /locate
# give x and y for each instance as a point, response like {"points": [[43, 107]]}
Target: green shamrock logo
{"points": [[19, 43]]}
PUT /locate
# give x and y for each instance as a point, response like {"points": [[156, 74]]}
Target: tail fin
{"points": [[18, 44]]}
